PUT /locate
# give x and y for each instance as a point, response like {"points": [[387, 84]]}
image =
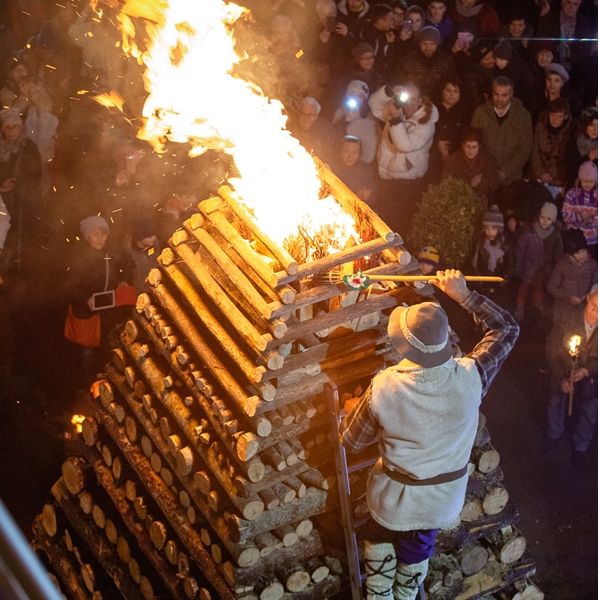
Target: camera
{"points": [[400, 99]]}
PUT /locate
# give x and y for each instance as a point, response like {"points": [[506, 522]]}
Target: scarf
{"points": [[468, 12], [543, 233], [495, 255]]}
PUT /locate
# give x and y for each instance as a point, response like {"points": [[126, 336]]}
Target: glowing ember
{"points": [[194, 98], [77, 420]]}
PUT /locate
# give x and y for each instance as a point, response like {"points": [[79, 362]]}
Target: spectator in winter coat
{"points": [[427, 66], [552, 133], [355, 173], [454, 117], [407, 37], [437, 16], [587, 135], [312, 132], [539, 248], [516, 32], [506, 129], [403, 154], [581, 381], [378, 33], [481, 11], [142, 248], [509, 64], [477, 71], [555, 86], [352, 13], [474, 165], [580, 208], [566, 23], [354, 118], [573, 276], [363, 68]]}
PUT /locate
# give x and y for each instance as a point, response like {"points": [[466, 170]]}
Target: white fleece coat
{"points": [[428, 421], [411, 139]]}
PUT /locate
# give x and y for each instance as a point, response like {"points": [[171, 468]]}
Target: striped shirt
{"points": [[359, 429]]}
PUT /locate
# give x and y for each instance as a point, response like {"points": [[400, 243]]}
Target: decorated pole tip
{"points": [[357, 281]]}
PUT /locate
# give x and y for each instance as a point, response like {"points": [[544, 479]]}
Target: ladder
{"points": [[343, 471]]}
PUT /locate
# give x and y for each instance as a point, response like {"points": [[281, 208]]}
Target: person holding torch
{"points": [[572, 352], [423, 413]]}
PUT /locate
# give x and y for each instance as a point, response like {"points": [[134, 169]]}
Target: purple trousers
{"points": [[411, 547]]}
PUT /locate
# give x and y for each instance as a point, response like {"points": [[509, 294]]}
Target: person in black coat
{"points": [[455, 116]]}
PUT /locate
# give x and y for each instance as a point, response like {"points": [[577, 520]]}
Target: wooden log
{"points": [[303, 528], [313, 503], [247, 404], [61, 562], [473, 557], [266, 543], [269, 588], [294, 578], [281, 256], [472, 509], [314, 478], [495, 500], [297, 486], [89, 431], [288, 454], [274, 556], [230, 233], [530, 592], [330, 262], [252, 373], [284, 492], [349, 200], [270, 498], [48, 519], [272, 456], [170, 508], [287, 534], [328, 320], [103, 553], [204, 279], [317, 569], [73, 474], [486, 458], [297, 447]]}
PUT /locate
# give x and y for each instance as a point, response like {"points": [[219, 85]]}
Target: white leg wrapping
{"points": [[380, 565], [408, 578]]}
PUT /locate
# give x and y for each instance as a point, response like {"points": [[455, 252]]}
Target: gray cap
{"points": [[559, 69]]}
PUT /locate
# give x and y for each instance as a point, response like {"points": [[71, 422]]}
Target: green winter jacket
{"points": [[511, 142]]}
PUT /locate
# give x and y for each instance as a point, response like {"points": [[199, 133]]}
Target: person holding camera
{"points": [[403, 155]]}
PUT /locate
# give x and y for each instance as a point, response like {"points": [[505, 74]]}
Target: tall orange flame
{"points": [[194, 98]]}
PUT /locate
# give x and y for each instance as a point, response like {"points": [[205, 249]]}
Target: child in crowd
{"points": [[429, 260], [538, 249], [580, 208], [573, 276], [490, 252]]}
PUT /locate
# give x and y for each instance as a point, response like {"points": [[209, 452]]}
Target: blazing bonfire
{"points": [[208, 465]]}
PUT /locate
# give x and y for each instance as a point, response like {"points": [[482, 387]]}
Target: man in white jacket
{"points": [[403, 154], [423, 413]]}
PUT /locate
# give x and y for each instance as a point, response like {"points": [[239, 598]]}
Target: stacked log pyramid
{"points": [[207, 470]]}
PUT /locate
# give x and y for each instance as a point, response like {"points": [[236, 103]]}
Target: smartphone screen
{"points": [[103, 300], [407, 26]]}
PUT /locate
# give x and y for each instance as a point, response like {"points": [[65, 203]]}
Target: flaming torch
{"points": [[574, 343]]}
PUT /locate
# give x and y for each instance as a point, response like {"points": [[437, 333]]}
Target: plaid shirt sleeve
{"points": [[359, 428], [501, 333]]}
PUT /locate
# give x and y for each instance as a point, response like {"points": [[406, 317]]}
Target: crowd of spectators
{"points": [[499, 93]]}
